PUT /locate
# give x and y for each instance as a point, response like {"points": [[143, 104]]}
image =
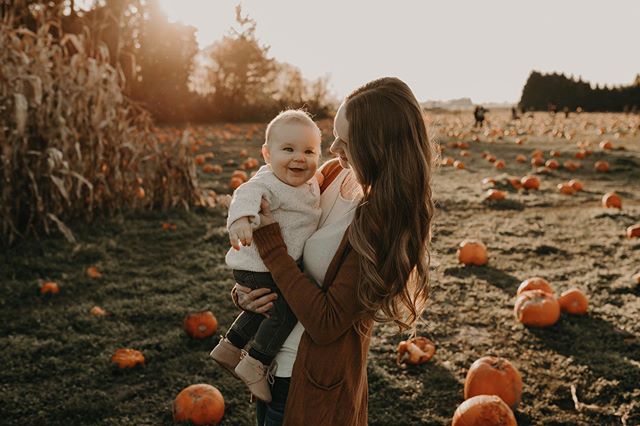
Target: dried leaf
{"points": [[62, 228]]}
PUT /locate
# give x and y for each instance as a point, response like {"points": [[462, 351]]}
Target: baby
{"points": [[288, 183]]}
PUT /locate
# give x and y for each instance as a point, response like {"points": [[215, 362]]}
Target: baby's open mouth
{"points": [[296, 169]]}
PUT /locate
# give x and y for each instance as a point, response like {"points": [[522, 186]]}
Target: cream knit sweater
{"points": [[296, 209]]}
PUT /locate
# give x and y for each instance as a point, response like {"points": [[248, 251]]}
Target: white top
{"points": [[337, 214], [295, 208]]}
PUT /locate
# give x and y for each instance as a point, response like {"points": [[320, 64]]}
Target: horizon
{"points": [[488, 49]]}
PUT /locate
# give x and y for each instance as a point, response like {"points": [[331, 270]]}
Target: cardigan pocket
{"points": [[320, 386]]}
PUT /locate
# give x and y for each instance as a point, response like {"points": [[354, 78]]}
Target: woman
{"points": [[368, 261]]}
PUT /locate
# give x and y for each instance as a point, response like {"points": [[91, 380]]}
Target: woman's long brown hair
{"points": [[392, 158]]}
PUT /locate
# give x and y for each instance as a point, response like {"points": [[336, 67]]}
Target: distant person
{"points": [[478, 115], [566, 112], [514, 113], [288, 182]]}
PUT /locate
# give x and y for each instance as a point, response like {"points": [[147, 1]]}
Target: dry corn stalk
{"points": [[71, 143]]}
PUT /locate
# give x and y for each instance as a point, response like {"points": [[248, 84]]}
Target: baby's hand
{"points": [[240, 230]]}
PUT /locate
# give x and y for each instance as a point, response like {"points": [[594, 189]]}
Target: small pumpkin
{"points": [[483, 410], [492, 375], [554, 153], [536, 308], [570, 165], [200, 404], [576, 184], [573, 301], [537, 154], [633, 231], [235, 182], [611, 200], [581, 154], [552, 164], [97, 311], [515, 182], [472, 252], [49, 287], [530, 182], [499, 164], [521, 158], [606, 144], [127, 358], [537, 161], [240, 174], [535, 283], [200, 325], [565, 188], [601, 166], [495, 194], [458, 164], [447, 161], [200, 159], [93, 272], [415, 351]]}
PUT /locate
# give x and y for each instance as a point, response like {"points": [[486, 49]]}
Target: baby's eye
{"points": [[309, 151], [288, 149]]}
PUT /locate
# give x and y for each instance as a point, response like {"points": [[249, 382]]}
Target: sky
{"points": [[443, 49]]}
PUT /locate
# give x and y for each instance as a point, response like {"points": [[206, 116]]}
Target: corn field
{"points": [[72, 144]]}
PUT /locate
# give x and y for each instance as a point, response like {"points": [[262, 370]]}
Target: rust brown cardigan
{"points": [[329, 378]]}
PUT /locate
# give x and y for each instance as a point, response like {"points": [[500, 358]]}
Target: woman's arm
{"points": [[325, 315]]}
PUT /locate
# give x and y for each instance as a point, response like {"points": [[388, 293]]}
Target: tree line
{"points": [[163, 69], [559, 92]]}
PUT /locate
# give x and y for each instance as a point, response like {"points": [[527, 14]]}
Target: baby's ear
{"points": [[265, 153]]}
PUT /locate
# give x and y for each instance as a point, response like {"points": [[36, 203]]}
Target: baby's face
{"points": [[293, 153]]}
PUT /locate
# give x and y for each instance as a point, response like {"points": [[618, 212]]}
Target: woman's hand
{"points": [[259, 301], [266, 218]]}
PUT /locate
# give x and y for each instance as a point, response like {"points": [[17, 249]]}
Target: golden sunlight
{"points": [[212, 19]]}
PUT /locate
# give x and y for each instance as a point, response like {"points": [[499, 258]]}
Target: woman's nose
{"points": [[334, 147]]}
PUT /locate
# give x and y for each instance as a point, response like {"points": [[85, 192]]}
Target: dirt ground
{"points": [[56, 355]]}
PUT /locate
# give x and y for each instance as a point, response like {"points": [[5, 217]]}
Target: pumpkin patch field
{"points": [[111, 329]]}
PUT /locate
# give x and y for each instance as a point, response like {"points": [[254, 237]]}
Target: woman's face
{"points": [[340, 145]]}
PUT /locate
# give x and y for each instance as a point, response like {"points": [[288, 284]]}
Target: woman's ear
{"points": [[265, 153]]}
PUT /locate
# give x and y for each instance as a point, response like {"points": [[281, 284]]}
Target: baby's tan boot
{"points": [[227, 355], [254, 374]]}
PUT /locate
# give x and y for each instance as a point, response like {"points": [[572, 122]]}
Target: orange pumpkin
{"points": [[515, 182], [535, 283], [495, 194], [566, 189], [127, 358], [415, 351], [633, 231], [552, 164], [576, 184], [521, 158], [458, 164], [570, 165], [447, 161], [537, 154], [536, 308], [140, 192], [200, 404], [499, 164], [581, 154], [97, 311], [244, 153], [240, 174], [530, 182], [483, 410], [537, 161], [200, 325], [611, 200], [472, 252], [49, 287], [606, 144], [200, 159], [601, 166], [491, 375], [554, 153], [488, 181], [465, 153], [573, 301], [92, 272], [490, 158], [235, 182]]}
